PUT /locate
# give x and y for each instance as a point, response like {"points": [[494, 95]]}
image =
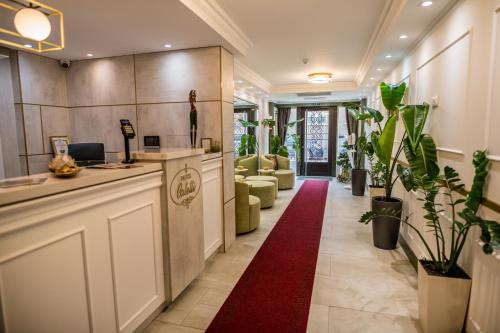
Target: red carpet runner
{"points": [[274, 293]]}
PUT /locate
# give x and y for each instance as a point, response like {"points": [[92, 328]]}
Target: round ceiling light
{"points": [[426, 3], [319, 78], [32, 23]]}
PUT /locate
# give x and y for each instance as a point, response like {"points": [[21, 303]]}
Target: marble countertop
{"points": [[165, 154], [86, 178]]}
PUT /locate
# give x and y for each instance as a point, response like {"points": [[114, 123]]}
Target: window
{"points": [[239, 130], [317, 123]]}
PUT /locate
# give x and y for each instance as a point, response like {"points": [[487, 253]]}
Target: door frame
{"points": [[332, 140]]}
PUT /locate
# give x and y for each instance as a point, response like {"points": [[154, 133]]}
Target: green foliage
{"points": [[392, 96], [296, 146], [361, 148], [248, 142], [344, 163], [383, 143], [268, 123], [445, 256]]}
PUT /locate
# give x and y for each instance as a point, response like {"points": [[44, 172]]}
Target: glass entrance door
{"points": [[318, 147]]}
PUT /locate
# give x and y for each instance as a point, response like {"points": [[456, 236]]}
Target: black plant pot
{"points": [[358, 181], [386, 229]]}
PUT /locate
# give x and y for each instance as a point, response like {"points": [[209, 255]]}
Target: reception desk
{"points": [[82, 254], [182, 195]]}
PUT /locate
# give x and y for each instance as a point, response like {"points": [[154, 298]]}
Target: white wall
{"points": [[459, 63]]}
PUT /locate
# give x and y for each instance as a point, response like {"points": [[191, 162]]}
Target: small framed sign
{"points": [[151, 142], [206, 143], [59, 144]]}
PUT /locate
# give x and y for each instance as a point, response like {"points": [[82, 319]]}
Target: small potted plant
{"points": [[376, 173], [443, 286], [344, 163]]}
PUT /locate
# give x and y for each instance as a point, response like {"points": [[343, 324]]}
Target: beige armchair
{"points": [[247, 208], [249, 162], [285, 175]]}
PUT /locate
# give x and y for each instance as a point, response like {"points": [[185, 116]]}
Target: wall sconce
{"points": [[32, 26]]}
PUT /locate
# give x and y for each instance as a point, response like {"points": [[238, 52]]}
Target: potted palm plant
{"points": [[358, 173], [443, 286]]}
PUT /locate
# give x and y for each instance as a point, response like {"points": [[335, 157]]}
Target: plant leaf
{"points": [[392, 95], [383, 143], [423, 160], [414, 118], [406, 177]]}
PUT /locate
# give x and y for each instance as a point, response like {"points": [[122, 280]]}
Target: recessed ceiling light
{"points": [[426, 3], [239, 81], [388, 56], [167, 46], [379, 69], [403, 36], [28, 45], [372, 78], [90, 55], [250, 87]]}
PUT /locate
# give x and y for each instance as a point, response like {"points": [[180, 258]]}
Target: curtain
{"points": [[301, 113], [283, 117], [352, 123]]}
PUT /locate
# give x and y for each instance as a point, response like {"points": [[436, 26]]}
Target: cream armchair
{"points": [[285, 175]]}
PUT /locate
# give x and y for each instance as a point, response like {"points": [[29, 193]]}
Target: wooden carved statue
{"points": [[193, 118]]}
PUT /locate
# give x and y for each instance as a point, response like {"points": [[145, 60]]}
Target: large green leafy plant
{"points": [[417, 146], [344, 163], [248, 141], [464, 211]]}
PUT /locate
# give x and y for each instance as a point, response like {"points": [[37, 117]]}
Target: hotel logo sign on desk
{"points": [[185, 186]]}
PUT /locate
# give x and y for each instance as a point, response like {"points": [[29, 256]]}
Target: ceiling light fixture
{"points": [[372, 78], [379, 69], [388, 56], [90, 55], [32, 26], [403, 36], [167, 46], [426, 3], [32, 23], [318, 78]]}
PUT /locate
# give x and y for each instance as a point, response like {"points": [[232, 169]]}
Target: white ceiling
{"points": [[118, 27], [332, 34], [335, 35]]}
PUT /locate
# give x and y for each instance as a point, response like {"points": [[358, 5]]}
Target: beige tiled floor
{"points": [[357, 287]]}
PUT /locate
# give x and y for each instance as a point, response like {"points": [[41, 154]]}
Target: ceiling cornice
{"points": [[213, 15], [243, 72], [390, 14], [309, 87]]}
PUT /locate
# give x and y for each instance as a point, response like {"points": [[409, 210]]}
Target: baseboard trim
{"points": [[409, 252]]}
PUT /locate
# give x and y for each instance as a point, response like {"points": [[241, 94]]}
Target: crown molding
{"points": [[245, 73], [214, 16], [391, 12], [309, 87]]}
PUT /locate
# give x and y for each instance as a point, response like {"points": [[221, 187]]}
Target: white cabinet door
{"points": [[85, 261], [212, 205]]}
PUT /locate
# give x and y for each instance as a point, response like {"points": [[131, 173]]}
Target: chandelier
{"points": [[33, 26]]}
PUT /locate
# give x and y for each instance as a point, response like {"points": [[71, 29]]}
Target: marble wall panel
{"points": [[170, 121], [102, 124], [169, 76], [55, 122], [228, 176], [227, 127], [43, 80], [39, 163], [106, 81], [227, 84], [33, 129], [21, 139], [229, 223]]}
